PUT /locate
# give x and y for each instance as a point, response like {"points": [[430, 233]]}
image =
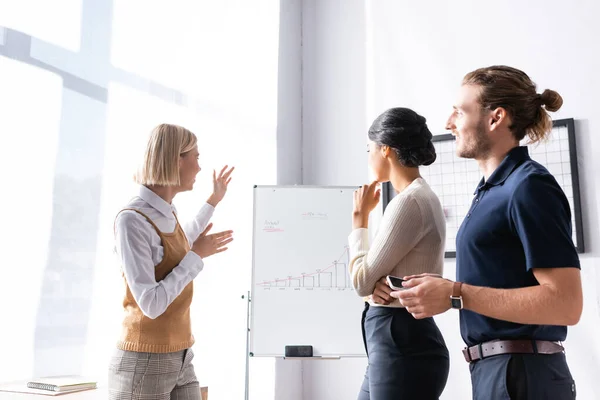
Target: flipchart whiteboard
{"points": [[301, 290]]}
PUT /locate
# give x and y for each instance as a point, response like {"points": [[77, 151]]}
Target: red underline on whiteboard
{"points": [[303, 276]]}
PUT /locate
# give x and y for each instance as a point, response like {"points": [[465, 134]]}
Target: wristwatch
{"points": [[456, 300]]}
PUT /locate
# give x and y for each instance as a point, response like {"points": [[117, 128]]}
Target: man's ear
{"points": [[498, 117]]}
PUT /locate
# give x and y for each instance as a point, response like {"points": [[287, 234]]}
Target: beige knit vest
{"points": [[171, 331]]}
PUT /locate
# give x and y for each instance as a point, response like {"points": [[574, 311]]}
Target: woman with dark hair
{"points": [[407, 358]]}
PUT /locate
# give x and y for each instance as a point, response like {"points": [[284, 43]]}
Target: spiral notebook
{"points": [[69, 383]]}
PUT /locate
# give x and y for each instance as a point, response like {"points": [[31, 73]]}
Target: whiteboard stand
{"points": [[300, 296], [247, 384]]}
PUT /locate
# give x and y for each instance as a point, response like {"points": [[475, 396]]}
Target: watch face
{"points": [[456, 302]]}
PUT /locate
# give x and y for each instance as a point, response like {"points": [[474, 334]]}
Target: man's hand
{"points": [[381, 294], [425, 295]]}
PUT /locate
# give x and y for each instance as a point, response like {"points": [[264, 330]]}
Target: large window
{"points": [[78, 103]]}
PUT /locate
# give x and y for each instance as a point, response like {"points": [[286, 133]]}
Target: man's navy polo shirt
{"points": [[519, 220]]}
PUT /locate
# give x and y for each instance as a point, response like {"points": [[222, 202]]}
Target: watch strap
{"points": [[456, 289]]}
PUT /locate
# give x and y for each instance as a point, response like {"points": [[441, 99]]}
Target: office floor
{"points": [[97, 394]]}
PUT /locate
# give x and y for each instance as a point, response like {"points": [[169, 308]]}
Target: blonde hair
{"points": [[513, 90], [160, 165]]}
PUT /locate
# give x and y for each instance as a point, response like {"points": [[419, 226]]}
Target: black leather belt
{"points": [[497, 347]]}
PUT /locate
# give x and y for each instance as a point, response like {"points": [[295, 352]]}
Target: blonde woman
{"points": [[159, 261]]}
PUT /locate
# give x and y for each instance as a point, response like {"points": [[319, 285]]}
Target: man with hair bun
{"points": [[518, 275]]}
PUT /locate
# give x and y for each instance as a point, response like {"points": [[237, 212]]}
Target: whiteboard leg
{"points": [[247, 387]]}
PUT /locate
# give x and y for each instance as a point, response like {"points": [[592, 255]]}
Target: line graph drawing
{"points": [[334, 276]]}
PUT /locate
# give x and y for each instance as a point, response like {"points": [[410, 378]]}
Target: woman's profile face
{"points": [[377, 162], [189, 168]]}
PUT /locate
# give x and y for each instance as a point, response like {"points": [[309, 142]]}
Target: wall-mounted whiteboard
{"points": [[455, 179], [301, 291]]}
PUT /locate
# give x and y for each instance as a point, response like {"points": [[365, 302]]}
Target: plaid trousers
{"points": [[152, 376]]}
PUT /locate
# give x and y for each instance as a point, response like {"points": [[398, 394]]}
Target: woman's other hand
{"points": [[381, 294], [206, 245]]}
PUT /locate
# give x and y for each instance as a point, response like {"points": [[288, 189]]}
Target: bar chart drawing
{"points": [[333, 276]]}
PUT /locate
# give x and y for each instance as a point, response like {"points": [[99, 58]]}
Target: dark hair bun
{"points": [[551, 99], [417, 156], [407, 134]]}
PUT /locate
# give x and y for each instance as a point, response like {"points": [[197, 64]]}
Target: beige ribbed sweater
{"points": [[410, 240]]}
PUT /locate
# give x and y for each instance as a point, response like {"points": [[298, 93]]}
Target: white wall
{"points": [[334, 92], [415, 55]]}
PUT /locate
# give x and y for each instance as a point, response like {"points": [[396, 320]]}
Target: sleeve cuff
{"points": [[358, 241], [193, 263], [206, 209]]}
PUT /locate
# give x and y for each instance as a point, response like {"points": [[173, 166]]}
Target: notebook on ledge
{"points": [[63, 384]]}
